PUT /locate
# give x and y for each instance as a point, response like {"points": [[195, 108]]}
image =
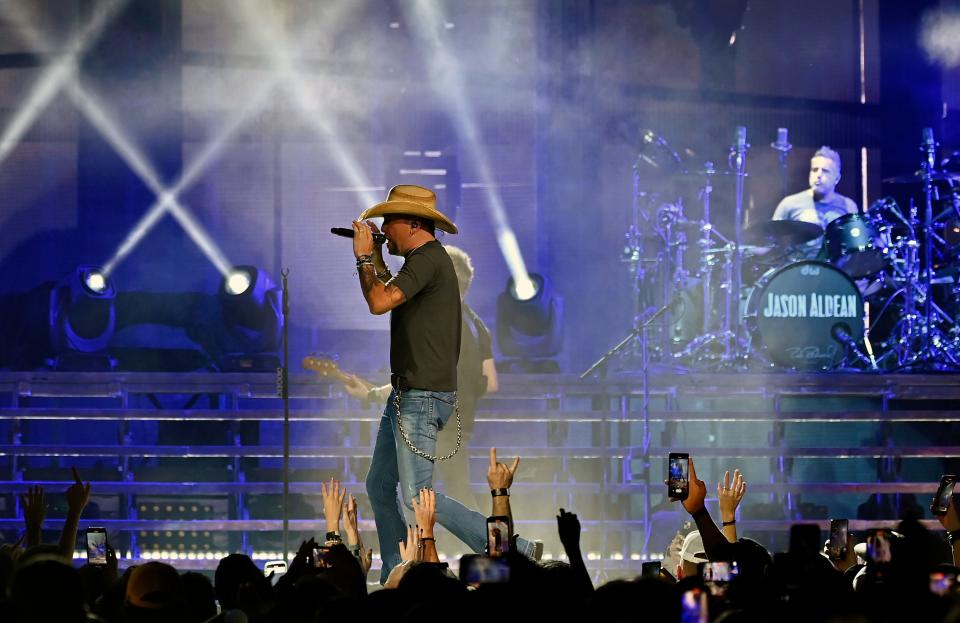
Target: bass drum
{"points": [[793, 312]]}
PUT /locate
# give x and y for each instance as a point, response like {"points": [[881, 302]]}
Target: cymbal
{"points": [[781, 233], [702, 173], [917, 178]]}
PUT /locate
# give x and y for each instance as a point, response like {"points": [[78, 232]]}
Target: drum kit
{"points": [[880, 293]]}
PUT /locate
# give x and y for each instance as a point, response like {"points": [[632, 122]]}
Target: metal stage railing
{"points": [[580, 442]]}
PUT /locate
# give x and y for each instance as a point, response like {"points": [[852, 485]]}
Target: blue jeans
{"points": [[424, 413]]}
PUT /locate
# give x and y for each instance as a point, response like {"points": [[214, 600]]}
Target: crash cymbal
{"points": [[917, 178], [781, 233]]}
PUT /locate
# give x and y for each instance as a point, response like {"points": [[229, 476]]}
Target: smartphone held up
{"points": [[96, 546], [476, 570], [498, 535], [837, 547], [678, 475], [941, 499], [651, 569]]}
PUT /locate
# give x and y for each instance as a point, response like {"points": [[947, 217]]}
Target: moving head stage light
{"points": [[82, 318], [530, 325]]}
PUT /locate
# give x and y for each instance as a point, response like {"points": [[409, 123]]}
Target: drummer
{"points": [[821, 203]]}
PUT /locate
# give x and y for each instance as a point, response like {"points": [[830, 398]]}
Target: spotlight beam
{"points": [[209, 154], [254, 103], [96, 113], [133, 156], [446, 76], [56, 74], [312, 110]]}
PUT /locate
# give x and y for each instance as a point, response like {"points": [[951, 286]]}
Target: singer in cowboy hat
{"points": [[423, 299]]}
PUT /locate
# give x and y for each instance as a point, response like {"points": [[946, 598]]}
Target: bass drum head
{"points": [[794, 309]]}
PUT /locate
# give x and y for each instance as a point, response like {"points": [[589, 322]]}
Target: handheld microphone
{"points": [[378, 238]]}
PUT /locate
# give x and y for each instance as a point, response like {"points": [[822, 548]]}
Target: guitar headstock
{"points": [[321, 365]]}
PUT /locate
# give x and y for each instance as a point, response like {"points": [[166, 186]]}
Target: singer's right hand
{"points": [[362, 239]]}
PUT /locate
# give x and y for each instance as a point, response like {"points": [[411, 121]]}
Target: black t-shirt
{"points": [[425, 329], [475, 348]]}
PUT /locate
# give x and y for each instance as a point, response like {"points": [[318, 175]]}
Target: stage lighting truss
{"points": [[530, 319], [82, 312]]}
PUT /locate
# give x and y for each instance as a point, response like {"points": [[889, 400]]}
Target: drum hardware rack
{"points": [[883, 255]]}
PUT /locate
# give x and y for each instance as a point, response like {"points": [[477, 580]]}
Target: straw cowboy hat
{"points": [[411, 200]]}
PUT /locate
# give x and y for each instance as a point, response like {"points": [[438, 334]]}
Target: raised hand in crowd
{"points": [[697, 491], [568, 528], [848, 560], [397, 573], [112, 568], [425, 510], [332, 496], [77, 497], [34, 504], [365, 556], [730, 493], [302, 564], [78, 494], [410, 549], [951, 523], [351, 523], [694, 504], [500, 478], [351, 528]]}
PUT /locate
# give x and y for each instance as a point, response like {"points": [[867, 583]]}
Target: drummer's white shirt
{"points": [[801, 207]]}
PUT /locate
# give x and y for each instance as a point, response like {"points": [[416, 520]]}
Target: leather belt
{"points": [[398, 382]]}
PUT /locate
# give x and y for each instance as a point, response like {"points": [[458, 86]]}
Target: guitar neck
{"points": [[327, 368]]}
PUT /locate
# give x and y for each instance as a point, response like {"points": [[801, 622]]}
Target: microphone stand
{"points": [[783, 146], [283, 381], [929, 147], [738, 155], [641, 332], [638, 332]]}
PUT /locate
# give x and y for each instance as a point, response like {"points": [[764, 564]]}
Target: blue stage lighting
{"points": [[530, 321], [236, 282], [95, 281], [251, 307], [82, 312]]}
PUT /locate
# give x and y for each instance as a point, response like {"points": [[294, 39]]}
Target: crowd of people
{"points": [[708, 574]]}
